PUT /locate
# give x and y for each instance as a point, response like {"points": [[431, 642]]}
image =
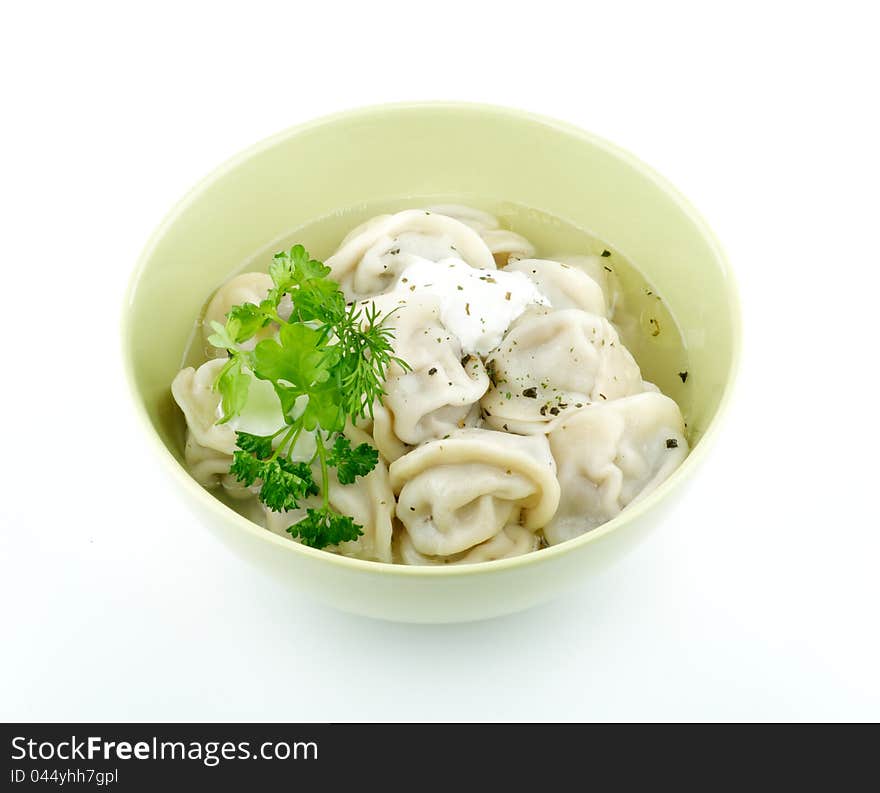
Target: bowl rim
{"points": [[632, 512]]}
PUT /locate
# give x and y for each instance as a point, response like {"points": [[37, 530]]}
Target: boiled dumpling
{"points": [[193, 390], [209, 446], [369, 262], [503, 243], [511, 541], [244, 288], [597, 268], [442, 391], [210, 468], [563, 285], [380, 427], [609, 455], [478, 219], [368, 500], [551, 361], [456, 493]]}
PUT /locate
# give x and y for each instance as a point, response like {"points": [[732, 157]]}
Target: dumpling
{"points": [[210, 468], [456, 493], [609, 455], [511, 541], [244, 288], [369, 262], [193, 390], [368, 500], [551, 361], [563, 285], [477, 219], [597, 268], [442, 391], [209, 447], [380, 426], [503, 243]]}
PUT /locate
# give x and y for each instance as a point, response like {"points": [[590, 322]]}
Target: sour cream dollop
{"points": [[476, 305]]}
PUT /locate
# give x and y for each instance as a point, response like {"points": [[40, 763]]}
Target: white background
{"points": [[757, 600]]}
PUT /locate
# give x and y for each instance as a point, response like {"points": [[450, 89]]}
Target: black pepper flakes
{"points": [[603, 396], [606, 253], [671, 443], [683, 376], [531, 393], [432, 370]]}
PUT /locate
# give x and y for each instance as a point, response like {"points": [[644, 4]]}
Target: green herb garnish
{"points": [[327, 366]]}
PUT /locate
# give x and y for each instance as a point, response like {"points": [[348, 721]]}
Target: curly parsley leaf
{"points": [[349, 462], [323, 527], [243, 321], [291, 268], [284, 483], [318, 300], [233, 385], [258, 445]]}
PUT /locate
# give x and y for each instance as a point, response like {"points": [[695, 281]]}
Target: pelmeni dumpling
{"points": [[210, 468], [380, 427], [368, 500], [244, 288], [369, 262], [511, 541], [599, 268], [193, 390], [552, 361], [504, 244], [442, 390], [563, 285], [209, 446], [456, 493], [609, 455]]}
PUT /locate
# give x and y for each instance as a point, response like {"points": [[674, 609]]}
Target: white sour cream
{"points": [[476, 305]]}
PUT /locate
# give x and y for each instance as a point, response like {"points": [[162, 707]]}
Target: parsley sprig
{"points": [[327, 365]]}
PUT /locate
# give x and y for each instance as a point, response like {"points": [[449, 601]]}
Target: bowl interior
{"points": [[380, 155]]}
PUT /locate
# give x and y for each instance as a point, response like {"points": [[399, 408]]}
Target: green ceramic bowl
{"points": [[381, 154]]}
